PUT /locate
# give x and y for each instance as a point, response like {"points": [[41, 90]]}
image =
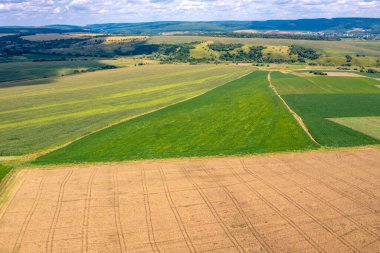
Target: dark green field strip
{"points": [[291, 84], [314, 109], [315, 99], [241, 117]]}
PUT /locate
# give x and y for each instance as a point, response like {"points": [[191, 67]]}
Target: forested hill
{"points": [[370, 25]]}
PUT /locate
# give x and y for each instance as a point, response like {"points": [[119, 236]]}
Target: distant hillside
{"points": [[371, 25], [314, 25], [47, 29]]}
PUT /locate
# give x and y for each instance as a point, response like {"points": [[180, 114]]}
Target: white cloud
{"points": [[95, 11]]}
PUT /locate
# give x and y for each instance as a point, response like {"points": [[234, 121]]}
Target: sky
{"points": [[82, 12]]}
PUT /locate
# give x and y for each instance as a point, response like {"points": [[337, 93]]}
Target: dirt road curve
{"points": [[309, 202]]}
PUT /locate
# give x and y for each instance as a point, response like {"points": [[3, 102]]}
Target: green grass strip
{"points": [[4, 170]]}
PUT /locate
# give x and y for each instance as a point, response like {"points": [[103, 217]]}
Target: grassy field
{"points": [[318, 98], [42, 113], [367, 125], [241, 117]]}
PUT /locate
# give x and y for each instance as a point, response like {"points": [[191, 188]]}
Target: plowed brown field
{"points": [[303, 202]]}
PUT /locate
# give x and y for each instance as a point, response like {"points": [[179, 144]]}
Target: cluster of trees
{"points": [[317, 72], [348, 61], [220, 47], [254, 54], [166, 53], [14, 45], [303, 53]]}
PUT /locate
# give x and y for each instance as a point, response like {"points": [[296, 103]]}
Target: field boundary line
{"points": [[29, 216], [294, 114], [289, 220], [242, 213], [50, 239], [148, 214], [6, 196], [40, 153], [214, 212], [300, 207], [175, 211], [86, 213]]}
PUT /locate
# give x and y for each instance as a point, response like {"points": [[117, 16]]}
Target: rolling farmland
{"points": [[256, 122], [116, 143], [272, 203], [53, 111], [316, 99]]}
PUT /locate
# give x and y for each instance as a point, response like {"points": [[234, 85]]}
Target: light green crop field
{"points": [[241, 117], [42, 113], [330, 48], [367, 125], [317, 99]]}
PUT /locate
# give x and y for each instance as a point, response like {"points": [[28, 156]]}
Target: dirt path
{"points": [[295, 115], [319, 201]]}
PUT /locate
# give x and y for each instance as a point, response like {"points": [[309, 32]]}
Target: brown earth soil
{"points": [[343, 74], [319, 201]]}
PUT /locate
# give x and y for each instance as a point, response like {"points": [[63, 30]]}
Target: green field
{"points": [[42, 113], [367, 125], [241, 117], [318, 98]]}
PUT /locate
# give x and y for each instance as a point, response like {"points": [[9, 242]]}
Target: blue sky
{"points": [[81, 12]]}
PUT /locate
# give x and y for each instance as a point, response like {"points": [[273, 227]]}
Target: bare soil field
{"points": [[343, 74], [319, 201]]}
